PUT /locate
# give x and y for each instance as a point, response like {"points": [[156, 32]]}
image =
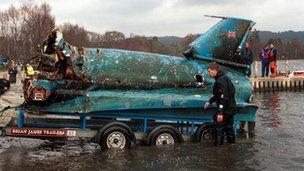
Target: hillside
{"points": [[284, 36], [264, 36]]}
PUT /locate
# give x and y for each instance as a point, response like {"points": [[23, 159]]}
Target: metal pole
{"points": [[255, 68], [145, 125], [83, 120], [286, 67]]}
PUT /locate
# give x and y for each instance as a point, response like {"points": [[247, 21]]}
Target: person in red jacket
{"points": [[264, 57]]}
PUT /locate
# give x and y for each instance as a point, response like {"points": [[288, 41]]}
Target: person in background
{"points": [[264, 57], [247, 55], [13, 74], [272, 60], [4, 84], [223, 94], [30, 72]]}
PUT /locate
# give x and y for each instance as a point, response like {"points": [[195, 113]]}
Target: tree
{"points": [[256, 44], [113, 39], [75, 35], [189, 38], [138, 43], [38, 22], [23, 29], [294, 49]]}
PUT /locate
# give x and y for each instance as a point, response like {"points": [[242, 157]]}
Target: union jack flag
{"points": [[231, 34]]}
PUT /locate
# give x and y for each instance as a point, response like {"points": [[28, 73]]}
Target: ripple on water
{"points": [[279, 144]]}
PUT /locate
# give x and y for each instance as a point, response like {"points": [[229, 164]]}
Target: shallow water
{"points": [[278, 145]]}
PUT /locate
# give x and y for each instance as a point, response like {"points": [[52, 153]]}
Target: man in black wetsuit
{"points": [[223, 94]]}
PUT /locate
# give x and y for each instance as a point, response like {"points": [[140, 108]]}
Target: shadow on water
{"points": [[278, 145]]}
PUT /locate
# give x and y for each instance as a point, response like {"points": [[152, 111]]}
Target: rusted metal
{"points": [[77, 80]]}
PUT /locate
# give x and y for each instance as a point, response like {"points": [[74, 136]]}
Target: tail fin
{"points": [[222, 42]]}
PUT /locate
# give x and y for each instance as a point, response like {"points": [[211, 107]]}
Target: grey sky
{"points": [[173, 17]]}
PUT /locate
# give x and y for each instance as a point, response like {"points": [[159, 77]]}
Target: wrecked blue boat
{"points": [[119, 97], [75, 80]]}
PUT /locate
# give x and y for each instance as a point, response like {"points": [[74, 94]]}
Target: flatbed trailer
{"points": [[123, 128]]}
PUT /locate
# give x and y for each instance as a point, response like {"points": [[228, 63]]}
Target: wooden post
{"points": [[292, 84], [270, 85], [288, 84], [277, 85]]}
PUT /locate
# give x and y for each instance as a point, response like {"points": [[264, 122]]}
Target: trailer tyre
{"points": [[205, 133], [164, 135], [115, 137], [99, 137]]}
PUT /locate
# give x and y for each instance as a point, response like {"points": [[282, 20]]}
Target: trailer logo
{"points": [[42, 132], [71, 133]]}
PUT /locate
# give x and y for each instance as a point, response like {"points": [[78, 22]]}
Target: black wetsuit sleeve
{"points": [[222, 95], [212, 99], [214, 96]]}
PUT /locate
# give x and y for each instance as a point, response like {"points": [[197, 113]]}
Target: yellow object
{"points": [[30, 71]]}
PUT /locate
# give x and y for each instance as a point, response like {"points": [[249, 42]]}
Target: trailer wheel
{"points": [[115, 137], [99, 138], [205, 133], [164, 135]]}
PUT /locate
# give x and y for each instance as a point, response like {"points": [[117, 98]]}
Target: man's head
{"points": [[271, 45], [4, 76], [213, 69]]}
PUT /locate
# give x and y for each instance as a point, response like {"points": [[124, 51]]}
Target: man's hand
{"points": [[207, 105]]}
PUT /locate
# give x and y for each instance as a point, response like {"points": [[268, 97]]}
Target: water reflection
{"points": [[270, 102], [279, 144], [274, 102]]}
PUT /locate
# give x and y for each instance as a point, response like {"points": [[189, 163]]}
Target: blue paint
{"points": [[51, 86], [192, 128], [140, 85], [145, 125], [211, 45], [83, 120], [20, 119]]}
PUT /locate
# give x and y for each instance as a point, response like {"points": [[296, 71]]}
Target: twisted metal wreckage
{"points": [[88, 80]]}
